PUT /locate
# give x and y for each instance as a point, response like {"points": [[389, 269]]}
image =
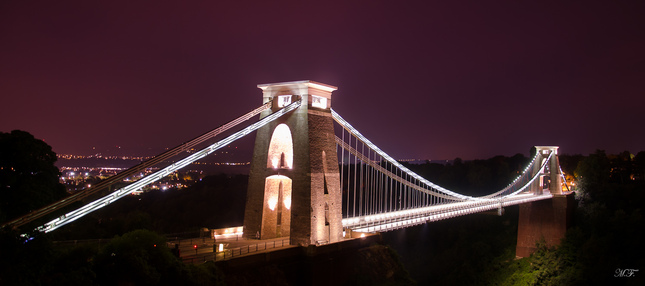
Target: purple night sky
{"points": [[421, 79]]}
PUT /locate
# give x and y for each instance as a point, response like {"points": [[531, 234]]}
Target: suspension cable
{"points": [[133, 170], [99, 203], [367, 142]]}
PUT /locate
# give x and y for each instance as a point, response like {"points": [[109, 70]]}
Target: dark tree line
{"points": [[476, 177], [140, 257], [600, 249], [134, 256], [28, 177], [217, 201], [476, 249], [609, 231]]}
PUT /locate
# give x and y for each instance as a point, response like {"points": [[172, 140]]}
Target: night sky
{"points": [[421, 79]]}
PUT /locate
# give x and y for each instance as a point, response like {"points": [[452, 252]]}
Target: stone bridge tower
{"points": [[545, 219], [552, 177], [294, 181]]}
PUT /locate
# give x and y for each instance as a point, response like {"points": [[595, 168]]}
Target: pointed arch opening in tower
{"points": [[281, 148], [276, 215]]}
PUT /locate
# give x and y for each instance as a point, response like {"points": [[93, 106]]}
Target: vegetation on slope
{"points": [[601, 249]]}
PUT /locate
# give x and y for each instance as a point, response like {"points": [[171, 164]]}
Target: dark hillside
{"points": [[215, 202]]}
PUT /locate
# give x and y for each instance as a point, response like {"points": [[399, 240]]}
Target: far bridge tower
{"points": [[545, 219]]}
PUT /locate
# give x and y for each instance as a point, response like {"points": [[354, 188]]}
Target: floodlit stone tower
{"points": [[552, 178], [545, 219], [294, 181]]}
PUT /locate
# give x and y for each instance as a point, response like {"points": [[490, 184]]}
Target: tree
{"points": [[622, 168], [28, 178], [140, 257], [479, 175], [593, 174], [639, 161], [569, 163]]}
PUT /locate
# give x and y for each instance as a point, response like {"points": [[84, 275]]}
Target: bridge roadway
{"points": [[405, 218], [234, 246]]}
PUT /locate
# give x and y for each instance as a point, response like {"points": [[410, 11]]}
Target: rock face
{"points": [[375, 264]]}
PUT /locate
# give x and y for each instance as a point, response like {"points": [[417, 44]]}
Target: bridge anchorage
{"points": [[318, 184]]}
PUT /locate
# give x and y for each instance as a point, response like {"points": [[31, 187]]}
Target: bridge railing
{"points": [[237, 251], [391, 221]]}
